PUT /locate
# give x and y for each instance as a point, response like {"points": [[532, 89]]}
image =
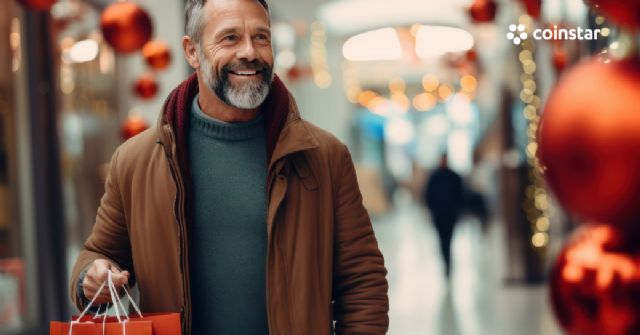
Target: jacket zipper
{"points": [[182, 235], [269, 239]]}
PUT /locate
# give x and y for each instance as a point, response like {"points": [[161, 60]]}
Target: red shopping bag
{"points": [[96, 327], [161, 323], [149, 324]]}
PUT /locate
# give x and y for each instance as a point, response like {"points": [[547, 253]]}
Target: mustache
{"points": [[243, 65]]}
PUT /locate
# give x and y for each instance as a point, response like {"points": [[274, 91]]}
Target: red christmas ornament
{"points": [[146, 87], [157, 54], [589, 141], [472, 55], [126, 26], [595, 284], [560, 58], [533, 8], [133, 126], [41, 5], [625, 13], [483, 11]]}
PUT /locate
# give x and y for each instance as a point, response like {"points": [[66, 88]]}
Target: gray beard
{"points": [[249, 95]]}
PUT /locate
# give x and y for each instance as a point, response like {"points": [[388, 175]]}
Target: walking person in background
{"points": [[233, 210], [444, 197]]}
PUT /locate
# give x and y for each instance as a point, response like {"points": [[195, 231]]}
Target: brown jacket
{"points": [[321, 246]]}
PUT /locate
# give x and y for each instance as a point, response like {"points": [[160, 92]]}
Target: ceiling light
{"points": [[84, 51], [374, 45], [433, 41]]}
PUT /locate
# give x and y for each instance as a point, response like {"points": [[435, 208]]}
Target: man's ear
{"points": [[190, 52]]}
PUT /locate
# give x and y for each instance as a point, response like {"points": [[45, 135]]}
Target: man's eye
{"points": [[230, 38], [262, 37]]}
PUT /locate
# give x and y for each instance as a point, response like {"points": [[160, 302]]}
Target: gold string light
{"points": [[319, 63], [352, 87], [537, 205]]}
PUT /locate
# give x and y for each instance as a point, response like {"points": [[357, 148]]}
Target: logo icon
{"points": [[517, 34]]}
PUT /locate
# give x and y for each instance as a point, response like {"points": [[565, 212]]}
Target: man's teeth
{"points": [[246, 73]]}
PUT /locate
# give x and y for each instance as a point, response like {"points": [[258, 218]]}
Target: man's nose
{"points": [[247, 50]]}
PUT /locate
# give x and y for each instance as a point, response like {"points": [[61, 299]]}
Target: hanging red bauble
{"points": [[157, 54], [133, 126], [294, 73], [146, 87], [533, 8], [589, 141], [126, 26], [625, 13], [483, 11], [560, 58], [595, 284], [472, 55], [42, 5]]}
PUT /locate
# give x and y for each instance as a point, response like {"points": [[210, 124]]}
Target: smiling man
{"points": [[233, 210]]}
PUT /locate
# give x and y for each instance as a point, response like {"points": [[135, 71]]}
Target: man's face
{"points": [[235, 54]]}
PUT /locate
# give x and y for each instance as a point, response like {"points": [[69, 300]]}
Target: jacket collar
{"points": [[285, 131]]}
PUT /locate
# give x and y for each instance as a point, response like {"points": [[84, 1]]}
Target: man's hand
{"points": [[97, 274]]}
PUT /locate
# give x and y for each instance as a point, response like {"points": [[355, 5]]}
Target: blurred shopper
{"points": [[234, 210], [444, 197]]}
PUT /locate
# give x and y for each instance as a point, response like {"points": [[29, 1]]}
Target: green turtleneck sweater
{"points": [[228, 243]]}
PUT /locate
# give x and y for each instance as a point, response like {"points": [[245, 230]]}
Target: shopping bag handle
{"points": [[117, 306], [116, 298]]}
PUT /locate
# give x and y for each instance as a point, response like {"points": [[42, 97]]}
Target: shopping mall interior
{"points": [[528, 104]]}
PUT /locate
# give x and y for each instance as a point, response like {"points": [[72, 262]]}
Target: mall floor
{"points": [[475, 302]]}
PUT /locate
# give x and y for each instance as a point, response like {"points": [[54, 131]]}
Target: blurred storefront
{"points": [[67, 100], [32, 228]]}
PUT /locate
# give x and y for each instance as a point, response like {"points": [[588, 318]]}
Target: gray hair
{"points": [[194, 17]]}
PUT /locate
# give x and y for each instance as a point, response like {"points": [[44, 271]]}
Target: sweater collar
{"points": [[213, 128], [285, 131]]}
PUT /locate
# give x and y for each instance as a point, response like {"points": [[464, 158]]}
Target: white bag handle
{"points": [[117, 306]]}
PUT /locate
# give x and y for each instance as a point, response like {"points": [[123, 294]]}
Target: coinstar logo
{"points": [[517, 34]]}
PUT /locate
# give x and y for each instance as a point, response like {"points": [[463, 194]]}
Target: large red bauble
{"points": [[589, 141], [133, 126], [42, 5], [146, 87], [126, 26], [533, 8], [623, 12], [483, 11], [595, 284], [157, 55]]}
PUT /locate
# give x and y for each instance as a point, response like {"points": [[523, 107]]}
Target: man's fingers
{"points": [[120, 279], [103, 296], [97, 274], [101, 268]]}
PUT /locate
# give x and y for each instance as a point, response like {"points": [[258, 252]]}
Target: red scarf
{"points": [[178, 106]]}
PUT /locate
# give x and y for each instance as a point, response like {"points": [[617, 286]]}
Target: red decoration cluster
{"points": [[589, 144]]}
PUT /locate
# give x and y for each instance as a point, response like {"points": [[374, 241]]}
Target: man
{"points": [[233, 210], [444, 197]]}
